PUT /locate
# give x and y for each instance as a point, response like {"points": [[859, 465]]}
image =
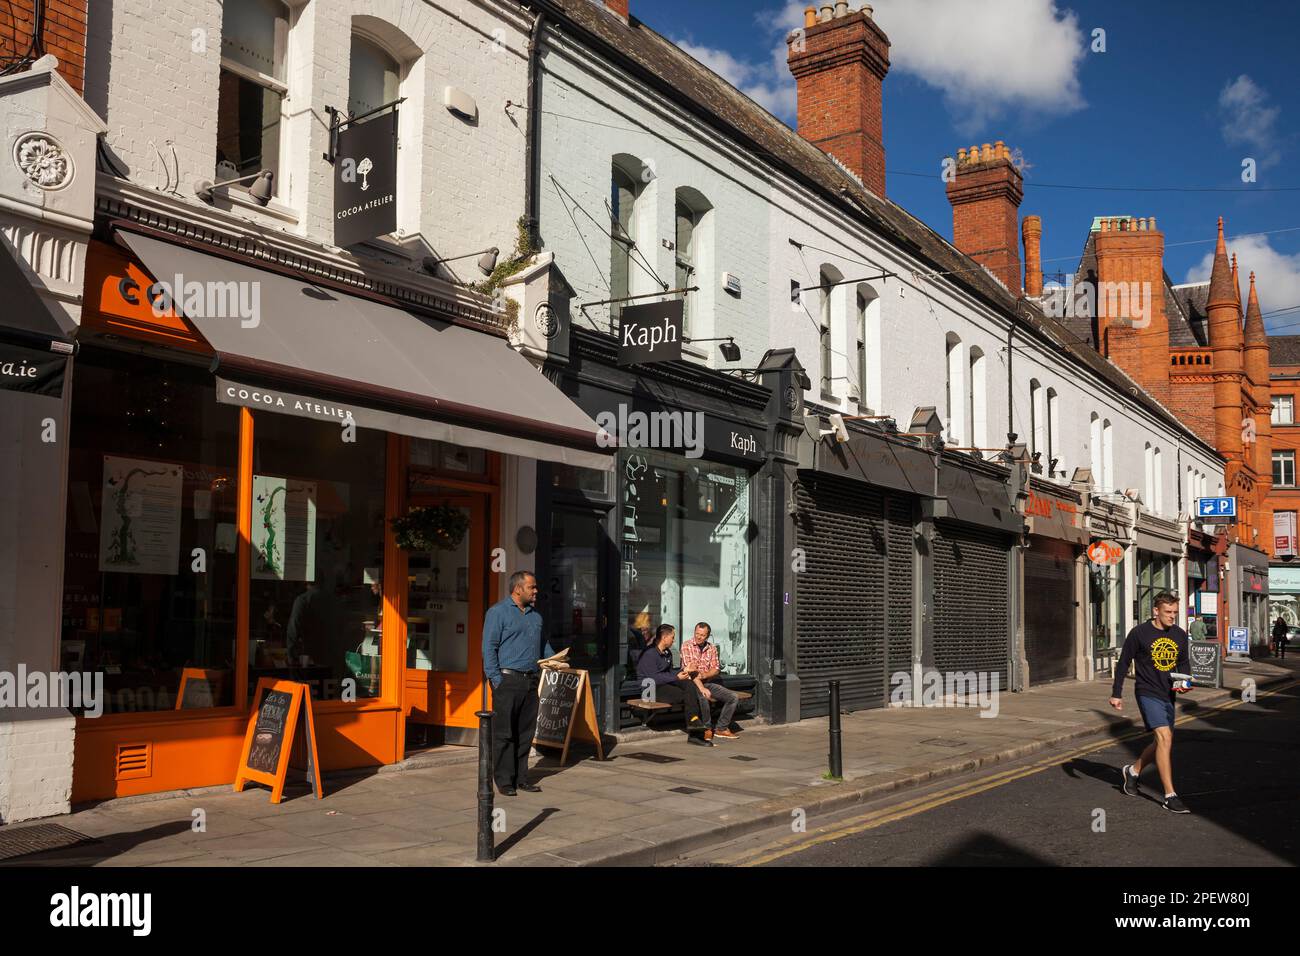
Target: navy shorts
{"points": [[1156, 712]]}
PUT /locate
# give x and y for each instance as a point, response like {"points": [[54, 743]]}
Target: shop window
{"points": [[685, 535], [316, 594], [150, 571], [1155, 573], [455, 460], [251, 88], [1283, 410], [1106, 602], [1283, 469], [581, 481]]}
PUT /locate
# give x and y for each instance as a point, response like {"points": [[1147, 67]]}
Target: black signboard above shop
{"points": [[651, 333], [643, 422], [365, 180]]}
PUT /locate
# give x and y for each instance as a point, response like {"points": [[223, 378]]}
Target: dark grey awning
{"points": [[390, 369]]}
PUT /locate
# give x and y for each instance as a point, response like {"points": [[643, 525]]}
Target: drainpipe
{"points": [[532, 133]]}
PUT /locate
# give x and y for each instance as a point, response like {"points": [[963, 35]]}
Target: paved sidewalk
{"points": [[654, 799]]}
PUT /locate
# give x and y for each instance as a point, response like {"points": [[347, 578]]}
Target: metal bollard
{"points": [[837, 764], [486, 840]]}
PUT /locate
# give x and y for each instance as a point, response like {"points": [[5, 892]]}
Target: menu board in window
{"points": [[140, 526], [284, 529]]}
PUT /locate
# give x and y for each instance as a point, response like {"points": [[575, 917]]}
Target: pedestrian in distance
{"points": [[513, 646], [1156, 648], [1279, 637]]}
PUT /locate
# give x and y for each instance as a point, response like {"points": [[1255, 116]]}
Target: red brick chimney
{"points": [[839, 60], [1132, 328], [1032, 231], [618, 8], [985, 197], [64, 33]]}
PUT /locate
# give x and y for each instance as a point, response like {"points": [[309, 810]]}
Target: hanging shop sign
{"points": [[1105, 553], [1284, 533], [29, 370], [651, 333], [365, 180]]}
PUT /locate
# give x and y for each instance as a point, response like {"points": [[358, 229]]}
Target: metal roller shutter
{"points": [[1049, 610], [900, 588], [840, 614], [970, 600]]}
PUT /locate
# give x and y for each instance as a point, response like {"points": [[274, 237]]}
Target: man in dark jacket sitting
{"points": [[669, 685]]}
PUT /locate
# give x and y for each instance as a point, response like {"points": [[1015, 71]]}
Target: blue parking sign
{"points": [[1238, 640], [1216, 508]]}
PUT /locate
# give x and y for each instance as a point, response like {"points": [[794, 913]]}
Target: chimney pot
{"points": [[1152, 221], [1032, 231], [868, 10], [841, 8], [961, 154], [828, 11], [810, 16]]}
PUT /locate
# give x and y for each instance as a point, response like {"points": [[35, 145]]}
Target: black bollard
{"points": [[837, 765], [486, 840]]}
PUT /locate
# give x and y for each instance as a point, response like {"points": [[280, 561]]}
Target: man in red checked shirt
{"points": [[700, 660]]}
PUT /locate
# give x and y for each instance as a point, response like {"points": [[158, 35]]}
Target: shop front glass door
{"points": [[575, 615], [444, 618]]}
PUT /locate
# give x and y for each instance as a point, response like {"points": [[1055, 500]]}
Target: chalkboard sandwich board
{"points": [[281, 708], [565, 707], [1204, 656], [200, 688]]}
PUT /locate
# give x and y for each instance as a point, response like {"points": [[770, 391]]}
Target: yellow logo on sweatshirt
{"points": [[1164, 654]]}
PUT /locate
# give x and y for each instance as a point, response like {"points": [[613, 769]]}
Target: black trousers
{"points": [[514, 722], [680, 692]]}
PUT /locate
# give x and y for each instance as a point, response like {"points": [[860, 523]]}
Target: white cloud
{"points": [[987, 59], [1012, 53], [1277, 277], [1248, 120]]}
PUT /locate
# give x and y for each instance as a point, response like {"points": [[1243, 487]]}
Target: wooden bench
{"points": [[645, 709]]}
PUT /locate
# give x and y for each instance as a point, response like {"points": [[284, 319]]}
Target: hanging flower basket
{"points": [[440, 528]]}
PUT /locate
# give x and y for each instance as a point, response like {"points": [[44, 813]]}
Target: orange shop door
{"points": [[444, 607]]}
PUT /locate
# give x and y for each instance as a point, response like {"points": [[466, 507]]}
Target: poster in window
{"points": [[1284, 533], [141, 528], [284, 529]]}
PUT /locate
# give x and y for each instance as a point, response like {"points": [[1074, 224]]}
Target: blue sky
{"points": [[1182, 94]]}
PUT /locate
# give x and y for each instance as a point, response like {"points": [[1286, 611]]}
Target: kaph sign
{"points": [[650, 333], [365, 180]]}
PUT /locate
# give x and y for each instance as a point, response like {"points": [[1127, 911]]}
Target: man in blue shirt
{"points": [[512, 645]]}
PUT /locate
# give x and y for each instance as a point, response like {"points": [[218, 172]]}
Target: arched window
{"points": [[1037, 439], [978, 399], [1107, 455], [692, 211], [1158, 483], [825, 329], [955, 403], [373, 77], [251, 89], [1053, 426], [869, 372], [625, 189], [1148, 461], [1094, 451]]}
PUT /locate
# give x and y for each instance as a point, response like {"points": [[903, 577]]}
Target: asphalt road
{"points": [[1237, 769]]}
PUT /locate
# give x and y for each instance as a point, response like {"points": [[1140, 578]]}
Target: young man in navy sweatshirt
{"points": [[1157, 648]]}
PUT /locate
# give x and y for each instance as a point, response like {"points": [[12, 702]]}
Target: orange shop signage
{"points": [[1105, 552]]}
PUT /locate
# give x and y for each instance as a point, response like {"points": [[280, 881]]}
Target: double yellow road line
{"points": [[798, 842]]}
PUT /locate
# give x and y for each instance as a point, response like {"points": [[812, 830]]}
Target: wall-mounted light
{"points": [[260, 192], [487, 261], [729, 349]]}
